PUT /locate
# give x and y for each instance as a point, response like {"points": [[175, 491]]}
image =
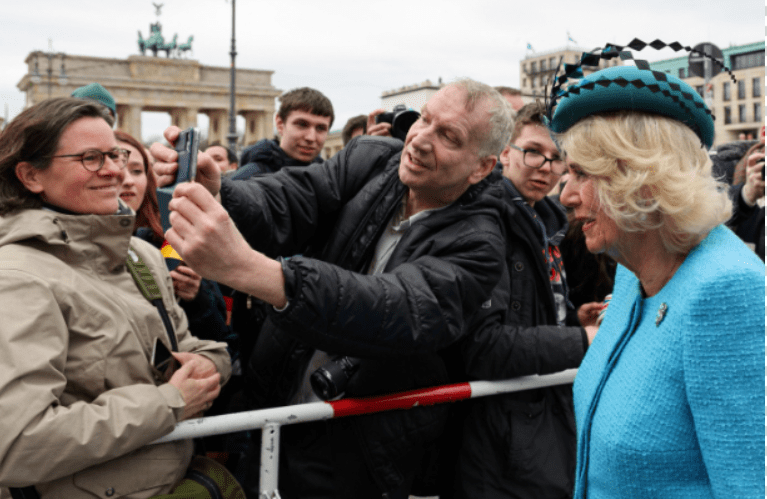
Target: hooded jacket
{"points": [[441, 271], [78, 397]]}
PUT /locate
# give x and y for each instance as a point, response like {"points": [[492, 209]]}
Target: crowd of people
{"points": [[498, 239]]}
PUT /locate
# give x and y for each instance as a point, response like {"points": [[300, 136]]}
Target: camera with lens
{"points": [[401, 119], [330, 380]]}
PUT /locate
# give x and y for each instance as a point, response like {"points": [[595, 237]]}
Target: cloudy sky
{"points": [[353, 51]]}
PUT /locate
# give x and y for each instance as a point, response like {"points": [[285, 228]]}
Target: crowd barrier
{"points": [[270, 420]]}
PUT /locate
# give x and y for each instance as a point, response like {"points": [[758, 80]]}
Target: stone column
{"points": [[183, 117], [129, 120], [267, 125], [258, 125], [250, 135], [218, 128]]}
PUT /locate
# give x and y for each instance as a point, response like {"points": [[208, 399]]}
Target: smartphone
{"points": [[187, 145], [163, 360]]}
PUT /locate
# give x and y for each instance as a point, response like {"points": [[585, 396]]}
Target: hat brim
{"points": [[628, 88]]}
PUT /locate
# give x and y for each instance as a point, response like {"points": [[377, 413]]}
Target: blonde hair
{"points": [[651, 173]]}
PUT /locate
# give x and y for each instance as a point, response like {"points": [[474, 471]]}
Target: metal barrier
{"points": [[270, 420]]}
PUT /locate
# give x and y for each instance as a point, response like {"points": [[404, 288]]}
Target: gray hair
{"points": [[501, 120]]}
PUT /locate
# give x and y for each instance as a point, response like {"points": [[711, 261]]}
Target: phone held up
{"points": [[187, 145]]}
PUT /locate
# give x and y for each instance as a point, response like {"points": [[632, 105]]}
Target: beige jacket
{"points": [[78, 399]]}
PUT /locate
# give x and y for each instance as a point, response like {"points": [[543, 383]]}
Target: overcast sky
{"points": [[354, 51]]}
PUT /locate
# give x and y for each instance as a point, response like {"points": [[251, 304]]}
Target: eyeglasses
{"points": [[93, 160], [534, 159]]}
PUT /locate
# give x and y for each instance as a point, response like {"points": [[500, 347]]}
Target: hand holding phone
{"points": [[187, 145]]}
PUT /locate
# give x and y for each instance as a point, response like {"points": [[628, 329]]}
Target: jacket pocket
{"points": [[144, 473], [525, 421], [541, 448]]}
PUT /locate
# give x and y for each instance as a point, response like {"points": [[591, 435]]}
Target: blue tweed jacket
{"points": [[668, 400]]}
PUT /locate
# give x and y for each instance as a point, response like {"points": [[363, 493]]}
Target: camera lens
{"points": [[330, 380]]}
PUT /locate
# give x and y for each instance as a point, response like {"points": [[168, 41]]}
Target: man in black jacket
{"points": [[303, 122], [522, 445], [398, 248]]}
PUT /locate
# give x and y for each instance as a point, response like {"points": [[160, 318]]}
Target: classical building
{"points": [[181, 87], [536, 70], [333, 144], [738, 108]]}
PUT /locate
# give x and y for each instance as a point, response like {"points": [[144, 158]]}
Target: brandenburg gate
{"points": [[181, 87]]}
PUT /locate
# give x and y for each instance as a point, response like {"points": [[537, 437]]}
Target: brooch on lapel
{"points": [[661, 314]]}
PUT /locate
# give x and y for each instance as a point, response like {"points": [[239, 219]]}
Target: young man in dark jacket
{"points": [[398, 248], [522, 445], [303, 122]]}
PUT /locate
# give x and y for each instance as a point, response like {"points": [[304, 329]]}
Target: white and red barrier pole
{"points": [[270, 420]]}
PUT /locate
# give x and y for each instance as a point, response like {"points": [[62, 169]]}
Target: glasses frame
{"points": [[545, 159], [116, 151]]}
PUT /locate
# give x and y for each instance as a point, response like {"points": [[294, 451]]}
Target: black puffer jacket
{"points": [[443, 268], [265, 156], [520, 445], [248, 313]]}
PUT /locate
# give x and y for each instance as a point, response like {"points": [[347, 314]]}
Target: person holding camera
{"points": [[86, 382], [394, 123], [399, 245], [748, 198]]}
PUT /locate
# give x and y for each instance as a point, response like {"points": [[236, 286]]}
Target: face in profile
{"points": [[601, 233], [134, 183], [66, 183], [303, 134]]}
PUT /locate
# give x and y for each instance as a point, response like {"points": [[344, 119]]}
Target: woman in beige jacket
{"points": [[79, 398]]}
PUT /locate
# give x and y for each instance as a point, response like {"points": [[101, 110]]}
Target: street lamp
{"points": [[50, 56], [232, 137]]}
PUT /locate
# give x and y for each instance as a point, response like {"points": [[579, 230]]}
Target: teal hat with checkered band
{"points": [[628, 88]]}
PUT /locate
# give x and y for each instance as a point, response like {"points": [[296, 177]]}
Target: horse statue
{"points": [[155, 40], [141, 43], [187, 46], [169, 47]]}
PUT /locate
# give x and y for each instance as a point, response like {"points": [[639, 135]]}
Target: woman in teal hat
{"points": [[668, 399]]}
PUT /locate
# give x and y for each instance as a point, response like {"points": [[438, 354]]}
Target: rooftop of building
{"points": [[417, 86], [675, 64]]}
